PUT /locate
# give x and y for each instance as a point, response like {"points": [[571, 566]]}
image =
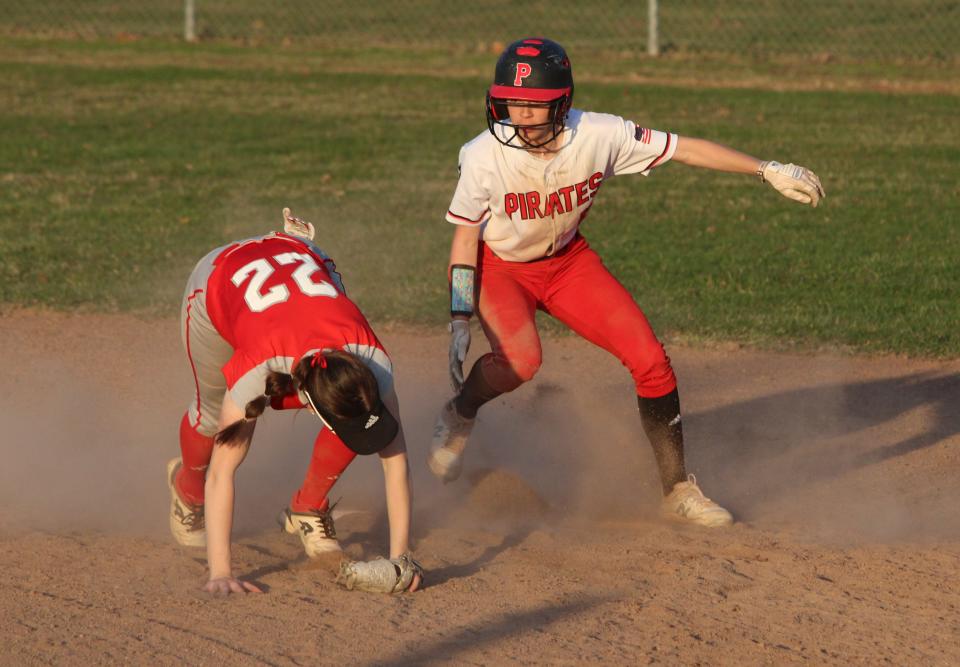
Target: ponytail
{"points": [[335, 379], [277, 384]]}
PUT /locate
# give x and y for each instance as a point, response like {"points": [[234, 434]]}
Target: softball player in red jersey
{"points": [[266, 320], [525, 187]]}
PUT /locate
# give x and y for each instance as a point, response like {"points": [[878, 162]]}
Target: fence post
{"points": [[189, 22], [653, 28]]}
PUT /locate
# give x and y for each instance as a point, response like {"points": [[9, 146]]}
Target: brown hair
{"points": [[336, 380], [339, 382]]}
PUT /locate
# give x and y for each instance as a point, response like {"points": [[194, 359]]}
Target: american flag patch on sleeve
{"points": [[643, 135]]}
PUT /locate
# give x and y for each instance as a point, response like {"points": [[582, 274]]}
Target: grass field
{"points": [[124, 162], [885, 30]]}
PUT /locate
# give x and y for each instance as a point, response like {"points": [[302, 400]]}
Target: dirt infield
{"points": [[839, 469]]}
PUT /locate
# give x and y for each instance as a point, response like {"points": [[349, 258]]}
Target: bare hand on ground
{"points": [[226, 585]]}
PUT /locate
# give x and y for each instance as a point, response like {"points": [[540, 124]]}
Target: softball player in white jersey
{"points": [[525, 186]]}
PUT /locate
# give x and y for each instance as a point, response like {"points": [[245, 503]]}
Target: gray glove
{"points": [[459, 345], [380, 575]]}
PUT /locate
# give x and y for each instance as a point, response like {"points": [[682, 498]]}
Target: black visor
{"points": [[366, 434]]}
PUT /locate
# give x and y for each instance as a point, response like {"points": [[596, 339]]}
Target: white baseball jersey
{"points": [[530, 207]]}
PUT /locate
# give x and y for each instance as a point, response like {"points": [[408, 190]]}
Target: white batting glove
{"points": [[459, 345], [793, 182], [296, 227]]}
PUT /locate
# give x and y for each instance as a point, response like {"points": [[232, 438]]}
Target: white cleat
{"points": [[316, 530], [450, 433], [186, 520], [687, 503]]}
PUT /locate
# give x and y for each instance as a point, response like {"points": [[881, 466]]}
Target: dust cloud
{"points": [[842, 472], [77, 455], [840, 449]]}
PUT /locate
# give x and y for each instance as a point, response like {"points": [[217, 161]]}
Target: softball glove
{"points": [[380, 575]]}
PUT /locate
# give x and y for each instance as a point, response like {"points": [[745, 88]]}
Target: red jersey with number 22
{"points": [[276, 298]]}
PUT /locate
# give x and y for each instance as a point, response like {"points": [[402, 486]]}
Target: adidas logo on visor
{"points": [[370, 422]]}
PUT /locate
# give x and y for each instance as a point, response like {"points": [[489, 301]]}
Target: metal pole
{"points": [[653, 28], [189, 22]]}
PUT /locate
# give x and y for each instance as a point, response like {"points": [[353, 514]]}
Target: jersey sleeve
{"points": [[293, 401], [641, 149], [377, 361], [247, 381], [471, 200]]}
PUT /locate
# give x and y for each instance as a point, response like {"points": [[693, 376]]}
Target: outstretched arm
{"points": [[792, 181], [396, 476], [218, 508], [711, 155]]}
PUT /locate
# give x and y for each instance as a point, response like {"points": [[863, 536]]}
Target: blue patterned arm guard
{"points": [[462, 289]]}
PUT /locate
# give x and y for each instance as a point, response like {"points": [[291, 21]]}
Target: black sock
{"points": [[661, 422], [475, 392]]}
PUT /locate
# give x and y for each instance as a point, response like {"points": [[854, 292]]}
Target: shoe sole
{"points": [[201, 537], [686, 521], [445, 472], [449, 470]]}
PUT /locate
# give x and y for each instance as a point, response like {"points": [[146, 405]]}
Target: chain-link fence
{"points": [[843, 30]]}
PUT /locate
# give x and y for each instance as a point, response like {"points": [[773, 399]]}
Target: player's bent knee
{"points": [[525, 369], [654, 379], [507, 373]]}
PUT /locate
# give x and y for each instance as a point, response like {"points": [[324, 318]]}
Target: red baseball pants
{"points": [[575, 287]]}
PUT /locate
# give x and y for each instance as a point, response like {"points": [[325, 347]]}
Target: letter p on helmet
{"points": [[523, 71]]}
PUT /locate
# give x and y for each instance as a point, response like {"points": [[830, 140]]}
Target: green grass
{"points": [[873, 30], [123, 163], [867, 29]]}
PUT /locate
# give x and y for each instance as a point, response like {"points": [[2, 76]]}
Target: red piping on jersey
{"points": [[657, 161], [527, 94], [468, 220], [196, 380]]}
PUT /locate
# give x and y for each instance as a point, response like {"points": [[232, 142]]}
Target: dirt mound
{"points": [[499, 494]]}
